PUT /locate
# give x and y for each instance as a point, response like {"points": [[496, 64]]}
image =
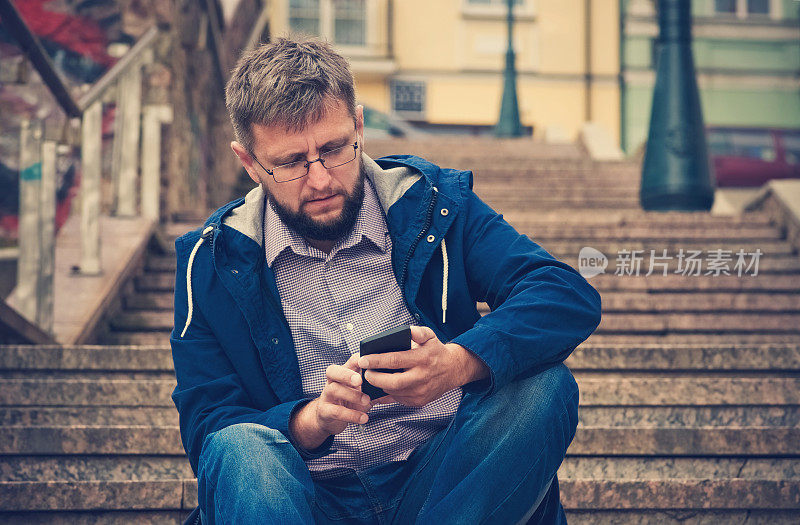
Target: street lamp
{"points": [[676, 173], [509, 125]]}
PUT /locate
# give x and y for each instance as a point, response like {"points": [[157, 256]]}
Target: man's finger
{"points": [[340, 374], [422, 334], [339, 393], [393, 382], [342, 413], [392, 360]]}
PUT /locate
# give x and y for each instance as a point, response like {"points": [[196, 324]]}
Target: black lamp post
{"points": [[676, 173], [509, 125]]}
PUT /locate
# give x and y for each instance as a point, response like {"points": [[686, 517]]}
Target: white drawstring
{"points": [[445, 273], [189, 279]]}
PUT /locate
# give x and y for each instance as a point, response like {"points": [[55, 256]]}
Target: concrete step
{"points": [[595, 354], [785, 263], [693, 339], [136, 338], [638, 218], [611, 248], [591, 233], [604, 389], [701, 302], [679, 516], [711, 323], [94, 517], [689, 416], [613, 322], [87, 415], [601, 440], [151, 301], [99, 468]]}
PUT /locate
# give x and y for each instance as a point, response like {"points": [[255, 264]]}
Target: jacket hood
{"points": [[390, 176]]}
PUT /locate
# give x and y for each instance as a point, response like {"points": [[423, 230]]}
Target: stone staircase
{"points": [[690, 388]]}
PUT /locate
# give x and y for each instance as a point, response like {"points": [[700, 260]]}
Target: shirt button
{"points": [[349, 327], [431, 238], [444, 212]]}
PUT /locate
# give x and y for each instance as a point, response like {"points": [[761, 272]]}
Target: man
{"points": [[275, 292]]}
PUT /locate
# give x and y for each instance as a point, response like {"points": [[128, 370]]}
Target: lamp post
{"points": [[509, 125], [676, 173]]}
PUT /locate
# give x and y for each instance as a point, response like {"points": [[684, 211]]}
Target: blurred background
{"points": [[114, 139]]}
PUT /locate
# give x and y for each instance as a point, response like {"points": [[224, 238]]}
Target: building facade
{"points": [[747, 57], [440, 63]]}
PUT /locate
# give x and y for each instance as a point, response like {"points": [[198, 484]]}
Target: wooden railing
{"points": [[122, 85]]}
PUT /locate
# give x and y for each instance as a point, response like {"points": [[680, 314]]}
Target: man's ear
{"points": [[360, 124], [246, 160]]}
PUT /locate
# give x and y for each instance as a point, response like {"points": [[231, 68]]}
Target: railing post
{"points": [[129, 110], [30, 178], [152, 118], [91, 142], [47, 227]]}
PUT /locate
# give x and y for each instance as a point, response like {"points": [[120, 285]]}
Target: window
{"points": [[744, 8], [493, 2], [343, 22], [408, 96], [741, 143]]}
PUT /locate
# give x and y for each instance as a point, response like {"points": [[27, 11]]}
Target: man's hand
{"points": [[430, 369], [340, 404]]}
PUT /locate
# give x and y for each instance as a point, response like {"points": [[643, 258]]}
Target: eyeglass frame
{"points": [[308, 163]]}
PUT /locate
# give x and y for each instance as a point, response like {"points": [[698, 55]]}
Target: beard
{"points": [[336, 229]]}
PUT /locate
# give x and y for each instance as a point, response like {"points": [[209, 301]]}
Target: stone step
{"points": [[594, 441], [95, 517], [693, 339], [687, 234], [99, 468], [785, 263], [136, 338], [643, 302], [658, 283], [160, 263], [152, 301], [711, 323], [689, 416], [606, 389], [679, 516], [611, 282], [87, 415], [568, 190], [613, 322], [86, 357], [594, 354], [578, 494], [638, 218], [509, 204], [655, 468], [611, 248]]}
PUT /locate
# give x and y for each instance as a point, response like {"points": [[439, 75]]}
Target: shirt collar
{"points": [[370, 225]]}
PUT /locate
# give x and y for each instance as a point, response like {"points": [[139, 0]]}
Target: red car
{"points": [[750, 157]]}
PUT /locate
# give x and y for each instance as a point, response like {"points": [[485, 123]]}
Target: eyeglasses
{"points": [[297, 170]]}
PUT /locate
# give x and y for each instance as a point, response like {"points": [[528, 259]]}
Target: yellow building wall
{"points": [[459, 54]]}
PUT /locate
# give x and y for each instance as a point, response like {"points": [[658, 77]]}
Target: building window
{"points": [[408, 97], [304, 16], [343, 22], [493, 2], [743, 8], [349, 22]]}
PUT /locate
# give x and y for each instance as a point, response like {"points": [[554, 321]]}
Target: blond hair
{"points": [[287, 82]]}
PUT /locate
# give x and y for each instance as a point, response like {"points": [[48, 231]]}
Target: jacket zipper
{"points": [[420, 235]]}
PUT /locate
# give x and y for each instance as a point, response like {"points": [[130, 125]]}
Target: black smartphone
{"points": [[392, 340]]}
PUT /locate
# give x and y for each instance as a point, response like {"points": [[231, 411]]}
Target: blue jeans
{"points": [[495, 463]]}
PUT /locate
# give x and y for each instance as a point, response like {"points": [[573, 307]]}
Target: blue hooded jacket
{"points": [[232, 348]]}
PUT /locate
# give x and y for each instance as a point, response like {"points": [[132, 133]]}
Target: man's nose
{"points": [[318, 176]]}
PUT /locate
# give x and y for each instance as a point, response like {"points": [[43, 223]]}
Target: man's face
{"points": [[324, 204]]}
